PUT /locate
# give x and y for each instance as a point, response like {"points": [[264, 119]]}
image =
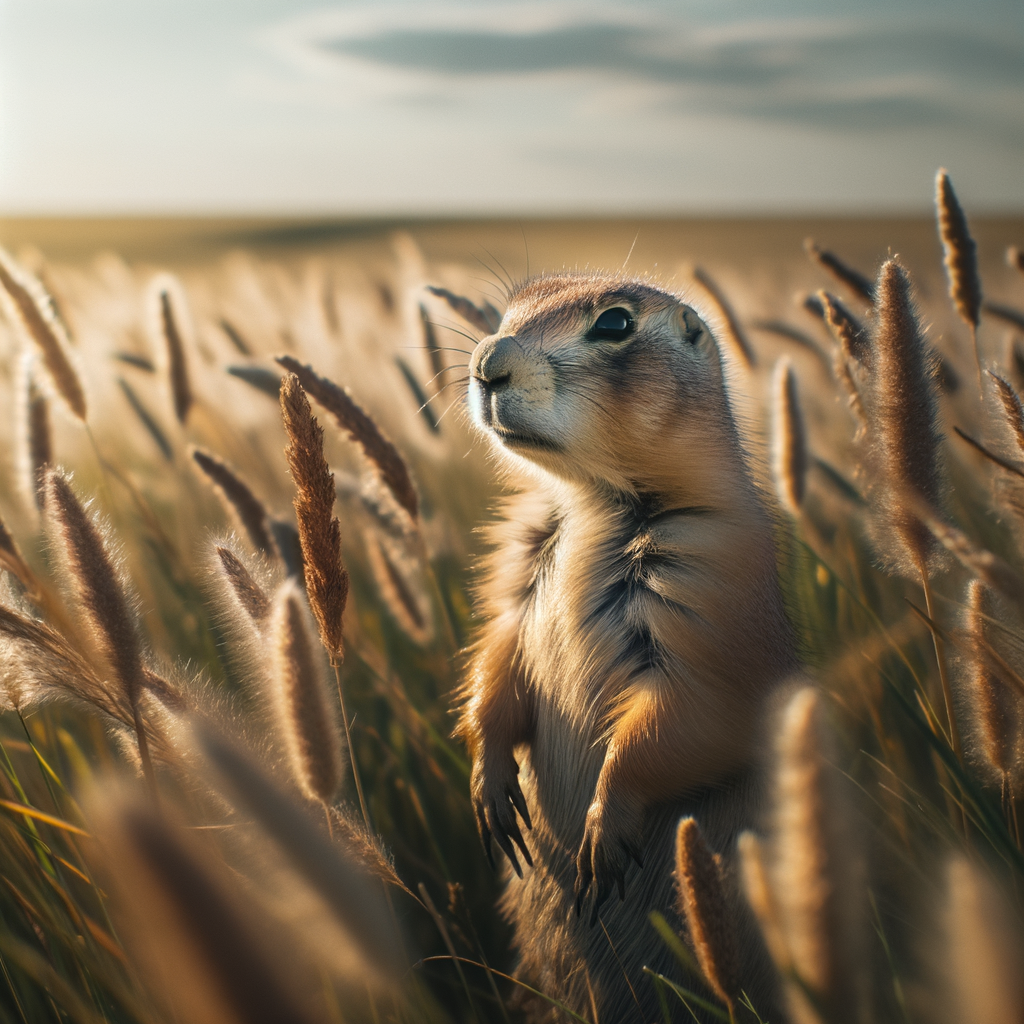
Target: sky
{"points": [[514, 107]]}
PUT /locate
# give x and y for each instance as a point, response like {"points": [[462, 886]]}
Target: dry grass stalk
{"points": [[810, 304], [29, 307], [319, 530], [708, 916], [177, 364], [857, 282], [200, 948], [38, 439], [995, 710], [1015, 258], [1012, 408], [247, 591], [361, 428], [239, 498], [981, 968], [483, 319], [789, 440], [101, 593], [811, 879], [733, 330], [301, 699], [961, 258]]}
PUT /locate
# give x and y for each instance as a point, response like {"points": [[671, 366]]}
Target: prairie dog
{"points": [[634, 627]]}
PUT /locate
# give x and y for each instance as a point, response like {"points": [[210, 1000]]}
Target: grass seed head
{"points": [[102, 594], [1015, 258], [733, 329], [961, 256], [789, 440], [473, 314], [708, 917], [170, 337], [1012, 409], [30, 308], [239, 498], [319, 530], [304, 709], [903, 426], [247, 591], [362, 429], [863, 287]]}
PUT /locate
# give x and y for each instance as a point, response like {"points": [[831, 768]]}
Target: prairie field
{"points": [[186, 834]]}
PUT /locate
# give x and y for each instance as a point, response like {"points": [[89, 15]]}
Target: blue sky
{"points": [[508, 106]]}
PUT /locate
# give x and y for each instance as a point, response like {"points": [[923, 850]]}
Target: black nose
{"points": [[493, 370]]}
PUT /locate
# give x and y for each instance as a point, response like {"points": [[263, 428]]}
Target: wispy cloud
{"points": [[829, 72]]}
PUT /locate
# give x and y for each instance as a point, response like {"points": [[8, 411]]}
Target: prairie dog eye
{"points": [[612, 325]]}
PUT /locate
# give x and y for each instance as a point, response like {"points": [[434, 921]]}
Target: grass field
{"points": [[224, 900]]}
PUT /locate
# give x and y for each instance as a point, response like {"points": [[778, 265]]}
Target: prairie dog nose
{"points": [[494, 362]]}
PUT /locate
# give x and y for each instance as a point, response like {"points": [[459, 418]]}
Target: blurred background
{"points": [[114, 107]]}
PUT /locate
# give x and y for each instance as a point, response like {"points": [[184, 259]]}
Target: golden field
{"points": [[240, 893]]}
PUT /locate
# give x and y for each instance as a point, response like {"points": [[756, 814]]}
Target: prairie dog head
{"points": [[600, 378]]}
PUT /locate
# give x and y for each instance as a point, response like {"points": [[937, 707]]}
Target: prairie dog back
{"points": [[634, 628]]}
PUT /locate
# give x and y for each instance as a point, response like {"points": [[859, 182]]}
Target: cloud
{"points": [[839, 72]]}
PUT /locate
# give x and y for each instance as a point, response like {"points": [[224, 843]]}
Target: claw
{"points": [[620, 884], [517, 837], [502, 839], [584, 874], [515, 794]]}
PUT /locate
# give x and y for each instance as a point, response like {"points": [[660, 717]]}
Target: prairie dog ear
{"points": [[691, 328]]}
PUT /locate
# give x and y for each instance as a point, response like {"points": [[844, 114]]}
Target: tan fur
{"points": [[634, 628]]}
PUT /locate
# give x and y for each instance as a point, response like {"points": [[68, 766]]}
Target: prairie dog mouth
{"points": [[514, 438]]}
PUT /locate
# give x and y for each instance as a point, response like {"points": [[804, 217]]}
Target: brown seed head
{"points": [[479, 318], [758, 890], [38, 440], [361, 428], [853, 340], [246, 590], [863, 287], [994, 710], [961, 255], [177, 363], [812, 876], [1012, 408], [30, 309], [733, 330], [789, 441], [1015, 258], [239, 498], [102, 595], [304, 710], [319, 530], [903, 427], [708, 916]]}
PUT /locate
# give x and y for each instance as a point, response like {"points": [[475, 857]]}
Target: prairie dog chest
{"points": [[587, 612]]}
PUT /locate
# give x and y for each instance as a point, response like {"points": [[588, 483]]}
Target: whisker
{"points": [[458, 366], [420, 348]]}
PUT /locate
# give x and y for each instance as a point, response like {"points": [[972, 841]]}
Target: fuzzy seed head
{"points": [[1012, 409], [863, 287], [30, 309], [733, 330], [708, 917], [239, 498], [789, 441], [247, 591], [902, 425], [961, 256], [304, 709], [174, 348], [319, 530], [362, 429]]}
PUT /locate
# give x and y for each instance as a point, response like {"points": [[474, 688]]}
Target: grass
{"points": [[93, 923]]}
